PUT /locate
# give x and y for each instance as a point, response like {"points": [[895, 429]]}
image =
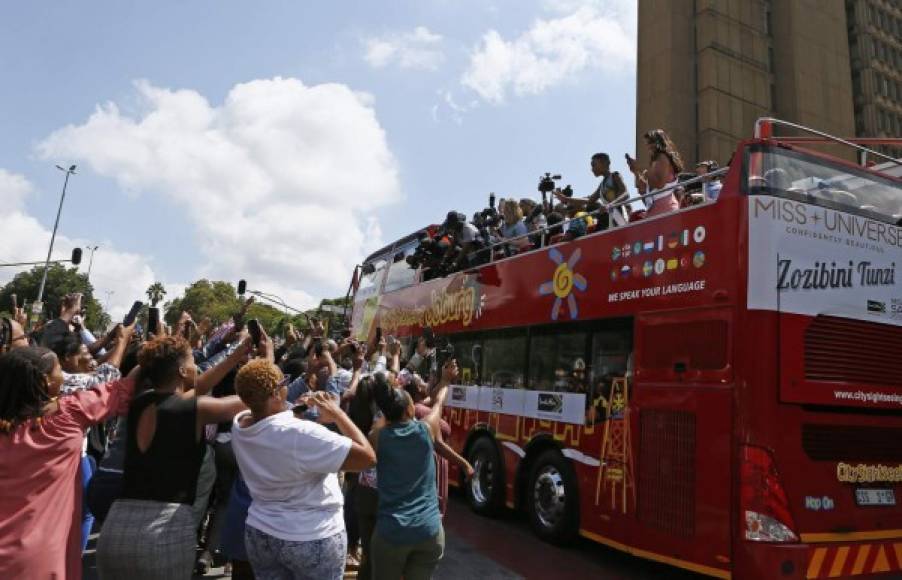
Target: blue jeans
{"points": [[275, 559], [87, 518]]}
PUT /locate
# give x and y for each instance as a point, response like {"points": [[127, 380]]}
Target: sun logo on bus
{"points": [[563, 282]]}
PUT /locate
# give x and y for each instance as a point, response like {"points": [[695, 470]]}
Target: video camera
{"points": [[547, 183]]}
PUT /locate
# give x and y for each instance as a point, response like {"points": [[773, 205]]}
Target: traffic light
{"points": [[242, 287], [76, 256]]}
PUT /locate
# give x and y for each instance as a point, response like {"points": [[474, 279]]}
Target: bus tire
{"points": [[485, 490], [552, 498]]}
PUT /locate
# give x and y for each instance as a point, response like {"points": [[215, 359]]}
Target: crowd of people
{"points": [[518, 225], [206, 445]]}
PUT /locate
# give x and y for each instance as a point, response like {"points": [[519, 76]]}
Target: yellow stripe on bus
{"points": [[701, 569], [851, 536], [863, 552], [839, 561], [814, 566]]}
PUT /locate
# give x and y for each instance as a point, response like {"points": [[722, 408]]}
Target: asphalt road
{"points": [[505, 549]]}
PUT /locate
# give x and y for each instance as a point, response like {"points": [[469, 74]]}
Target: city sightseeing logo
{"points": [[563, 283]]}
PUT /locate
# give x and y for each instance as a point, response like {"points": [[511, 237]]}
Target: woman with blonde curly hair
{"points": [[150, 531], [664, 167], [295, 525]]}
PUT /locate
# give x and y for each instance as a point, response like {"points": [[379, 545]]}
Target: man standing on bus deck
{"points": [[609, 190]]}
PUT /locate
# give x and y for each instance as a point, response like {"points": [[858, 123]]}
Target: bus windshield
{"points": [[787, 173]]}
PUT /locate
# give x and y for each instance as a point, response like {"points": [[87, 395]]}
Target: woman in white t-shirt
{"points": [[295, 526]]}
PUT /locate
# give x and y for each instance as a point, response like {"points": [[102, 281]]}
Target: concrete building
{"points": [[708, 68], [875, 48]]}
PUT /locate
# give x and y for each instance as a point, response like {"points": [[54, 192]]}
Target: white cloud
{"points": [[591, 36], [277, 180], [126, 274], [419, 49]]}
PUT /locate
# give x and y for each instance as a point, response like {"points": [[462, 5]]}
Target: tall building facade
{"points": [[707, 69], [875, 48]]}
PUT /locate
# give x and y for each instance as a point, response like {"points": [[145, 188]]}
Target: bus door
{"points": [[681, 427]]}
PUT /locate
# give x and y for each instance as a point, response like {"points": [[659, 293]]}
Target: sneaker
{"points": [[203, 564]]}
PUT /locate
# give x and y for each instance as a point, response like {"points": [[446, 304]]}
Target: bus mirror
{"points": [[368, 269]]}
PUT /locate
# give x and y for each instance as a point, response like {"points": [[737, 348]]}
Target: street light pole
{"points": [[109, 293], [38, 306], [91, 261]]}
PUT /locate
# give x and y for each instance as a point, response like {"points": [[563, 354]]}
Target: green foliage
{"points": [[155, 293], [219, 301], [60, 281]]}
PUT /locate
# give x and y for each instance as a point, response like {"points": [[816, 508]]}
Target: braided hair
{"points": [[23, 385], [6, 334]]}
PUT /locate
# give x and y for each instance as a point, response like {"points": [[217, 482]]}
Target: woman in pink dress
{"points": [[662, 171], [40, 453]]}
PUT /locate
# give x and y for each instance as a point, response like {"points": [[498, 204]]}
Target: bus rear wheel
{"points": [[485, 490], [552, 498]]}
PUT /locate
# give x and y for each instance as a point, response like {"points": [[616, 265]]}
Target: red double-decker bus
{"points": [[718, 388]]}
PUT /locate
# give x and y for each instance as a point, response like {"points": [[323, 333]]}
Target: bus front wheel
{"points": [[553, 500], [485, 490]]}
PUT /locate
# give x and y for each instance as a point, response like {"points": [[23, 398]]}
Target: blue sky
{"points": [[282, 141]]}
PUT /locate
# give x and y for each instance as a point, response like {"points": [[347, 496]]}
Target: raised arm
{"points": [[361, 455], [212, 377], [450, 372], [217, 410], [123, 335]]}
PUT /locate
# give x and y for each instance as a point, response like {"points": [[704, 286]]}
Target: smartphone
{"points": [[15, 303], [153, 321], [378, 334], [253, 327], [133, 313]]}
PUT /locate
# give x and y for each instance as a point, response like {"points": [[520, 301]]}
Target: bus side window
{"points": [[611, 359], [371, 279], [558, 362], [503, 359], [468, 353]]}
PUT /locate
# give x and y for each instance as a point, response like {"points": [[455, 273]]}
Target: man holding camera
{"points": [[610, 190], [467, 240]]}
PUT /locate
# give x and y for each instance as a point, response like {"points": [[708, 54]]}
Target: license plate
{"points": [[875, 497]]}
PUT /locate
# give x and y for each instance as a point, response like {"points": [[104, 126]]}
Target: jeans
{"points": [[408, 561], [88, 466], [275, 559]]}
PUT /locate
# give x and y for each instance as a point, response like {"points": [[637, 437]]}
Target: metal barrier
{"points": [[616, 204], [764, 130]]}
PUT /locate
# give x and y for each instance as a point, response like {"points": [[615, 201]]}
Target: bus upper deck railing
{"points": [[764, 128], [625, 200]]}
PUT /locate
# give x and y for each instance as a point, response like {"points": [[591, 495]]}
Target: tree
{"points": [[219, 300], [155, 293], [60, 281]]}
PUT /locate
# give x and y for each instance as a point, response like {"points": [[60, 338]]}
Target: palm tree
{"points": [[155, 293]]}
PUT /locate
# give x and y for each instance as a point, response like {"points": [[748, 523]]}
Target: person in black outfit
{"points": [[150, 531]]}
